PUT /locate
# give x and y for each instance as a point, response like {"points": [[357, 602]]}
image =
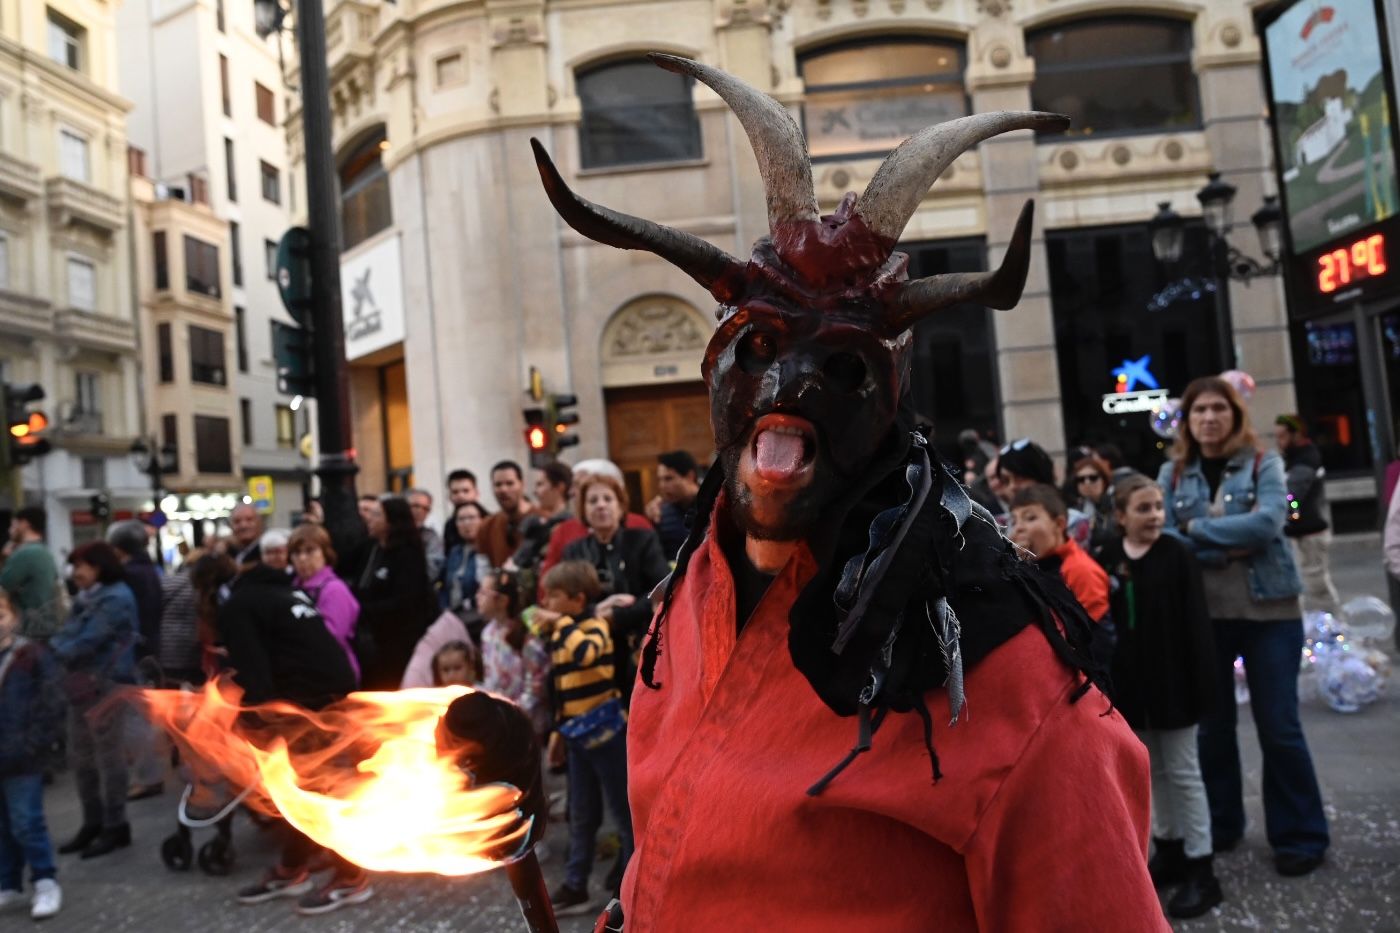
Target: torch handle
{"points": [[527, 881]]}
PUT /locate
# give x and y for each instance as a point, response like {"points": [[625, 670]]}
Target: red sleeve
{"points": [[1063, 843], [1089, 583]]}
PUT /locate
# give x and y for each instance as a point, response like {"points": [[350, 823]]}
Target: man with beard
{"points": [[500, 533], [838, 585]]}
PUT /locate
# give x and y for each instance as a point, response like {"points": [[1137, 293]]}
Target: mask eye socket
{"points": [[845, 371], [757, 351]]}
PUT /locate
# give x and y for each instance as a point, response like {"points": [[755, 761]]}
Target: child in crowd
{"points": [[1039, 518], [454, 663], [31, 712], [1163, 686], [591, 726]]}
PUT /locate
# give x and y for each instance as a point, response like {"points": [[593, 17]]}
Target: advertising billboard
{"points": [[1332, 115]]}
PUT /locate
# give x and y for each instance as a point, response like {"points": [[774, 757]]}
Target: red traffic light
{"points": [[536, 437], [25, 430]]}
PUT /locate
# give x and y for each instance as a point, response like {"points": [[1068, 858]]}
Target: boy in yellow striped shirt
{"points": [[591, 727]]}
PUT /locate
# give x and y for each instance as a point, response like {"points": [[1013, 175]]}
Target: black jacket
{"points": [[278, 644], [397, 604], [140, 574], [632, 562], [1162, 663], [1303, 466]]}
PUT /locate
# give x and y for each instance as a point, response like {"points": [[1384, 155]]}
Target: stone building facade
{"points": [[487, 283], [66, 312]]}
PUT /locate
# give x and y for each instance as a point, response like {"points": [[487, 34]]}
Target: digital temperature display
{"points": [[1363, 259]]}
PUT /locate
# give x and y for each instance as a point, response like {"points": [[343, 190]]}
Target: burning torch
{"points": [[492, 741]]}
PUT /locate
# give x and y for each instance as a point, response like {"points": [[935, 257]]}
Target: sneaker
{"points": [[569, 901], [10, 898], [335, 894], [274, 885], [48, 899]]}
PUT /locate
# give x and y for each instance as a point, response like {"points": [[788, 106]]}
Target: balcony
{"points": [[73, 201], [24, 315], [97, 331], [19, 180]]}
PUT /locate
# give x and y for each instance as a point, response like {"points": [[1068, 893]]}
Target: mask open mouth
{"points": [[784, 448]]}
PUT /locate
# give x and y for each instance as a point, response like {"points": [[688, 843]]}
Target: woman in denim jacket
{"points": [[1228, 501]]}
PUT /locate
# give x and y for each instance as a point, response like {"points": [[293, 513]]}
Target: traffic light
{"points": [[26, 428], [101, 506], [563, 419], [291, 349], [537, 437]]}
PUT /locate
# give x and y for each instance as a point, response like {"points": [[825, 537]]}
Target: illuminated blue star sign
{"points": [[1135, 371]]}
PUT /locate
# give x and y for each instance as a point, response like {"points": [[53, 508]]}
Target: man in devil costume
{"points": [[839, 594]]}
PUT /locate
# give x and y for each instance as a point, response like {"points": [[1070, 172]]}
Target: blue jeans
{"points": [[596, 774], [1293, 817], [23, 836]]}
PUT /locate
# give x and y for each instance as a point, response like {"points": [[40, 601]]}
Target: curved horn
{"points": [[777, 141], [712, 267], [1000, 289], [906, 175]]}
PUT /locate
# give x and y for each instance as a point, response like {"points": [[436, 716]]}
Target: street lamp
{"points": [[267, 17], [1226, 262], [154, 461]]}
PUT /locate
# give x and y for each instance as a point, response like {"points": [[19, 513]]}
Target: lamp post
{"points": [[336, 465], [154, 460], [1167, 230]]}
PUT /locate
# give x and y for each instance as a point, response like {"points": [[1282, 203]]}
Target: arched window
{"points": [[1119, 75], [865, 98], [365, 206], [634, 113]]}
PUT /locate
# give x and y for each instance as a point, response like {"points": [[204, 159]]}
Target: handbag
{"points": [[596, 727]]}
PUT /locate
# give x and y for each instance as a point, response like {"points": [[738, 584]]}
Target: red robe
{"points": [[1039, 823]]}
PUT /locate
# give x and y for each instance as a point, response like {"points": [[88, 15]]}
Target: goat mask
{"points": [[811, 356]]}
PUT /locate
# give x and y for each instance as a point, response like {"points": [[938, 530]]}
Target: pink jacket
{"points": [[338, 607], [447, 629]]}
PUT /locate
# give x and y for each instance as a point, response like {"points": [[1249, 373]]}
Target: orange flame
{"points": [[363, 776]]}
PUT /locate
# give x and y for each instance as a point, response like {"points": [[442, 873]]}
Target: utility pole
{"points": [[336, 465]]}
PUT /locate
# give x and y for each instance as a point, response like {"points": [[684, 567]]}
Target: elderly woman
{"points": [[95, 647], [629, 562], [273, 548], [312, 559], [1227, 499]]}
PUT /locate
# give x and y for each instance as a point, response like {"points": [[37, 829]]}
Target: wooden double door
{"points": [[644, 421]]}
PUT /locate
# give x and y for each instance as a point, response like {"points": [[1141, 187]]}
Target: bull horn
{"points": [[777, 141], [1000, 289], [907, 173], [715, 270]]}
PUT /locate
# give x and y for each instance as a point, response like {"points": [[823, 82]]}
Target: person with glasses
{"points": [[1092, 495], [420, 503]]}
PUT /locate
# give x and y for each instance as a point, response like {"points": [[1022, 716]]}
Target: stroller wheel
{"points": [[216, 856], [177, 852]]}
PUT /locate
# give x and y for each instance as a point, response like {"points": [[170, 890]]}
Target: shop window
{"points": [[82, 284], [230, 170], [66, 41], [213, 452], [73, 156], [1331, 400], [267, 104], [201, 267], [1112, 302], [865, 98], [1117, 75], [953, 374], [170, 438], [165, 350], [207, 364], [365, 205], [271, 183], [286, 427], [224, 93], [634, 113]]}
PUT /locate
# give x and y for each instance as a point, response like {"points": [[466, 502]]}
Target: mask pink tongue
{"points": [[779, 453]]}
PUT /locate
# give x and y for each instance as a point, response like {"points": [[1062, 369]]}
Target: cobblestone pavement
{"points": [[1358, 889]]}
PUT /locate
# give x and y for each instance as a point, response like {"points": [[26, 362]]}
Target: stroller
{"points": [[216, 856]]}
